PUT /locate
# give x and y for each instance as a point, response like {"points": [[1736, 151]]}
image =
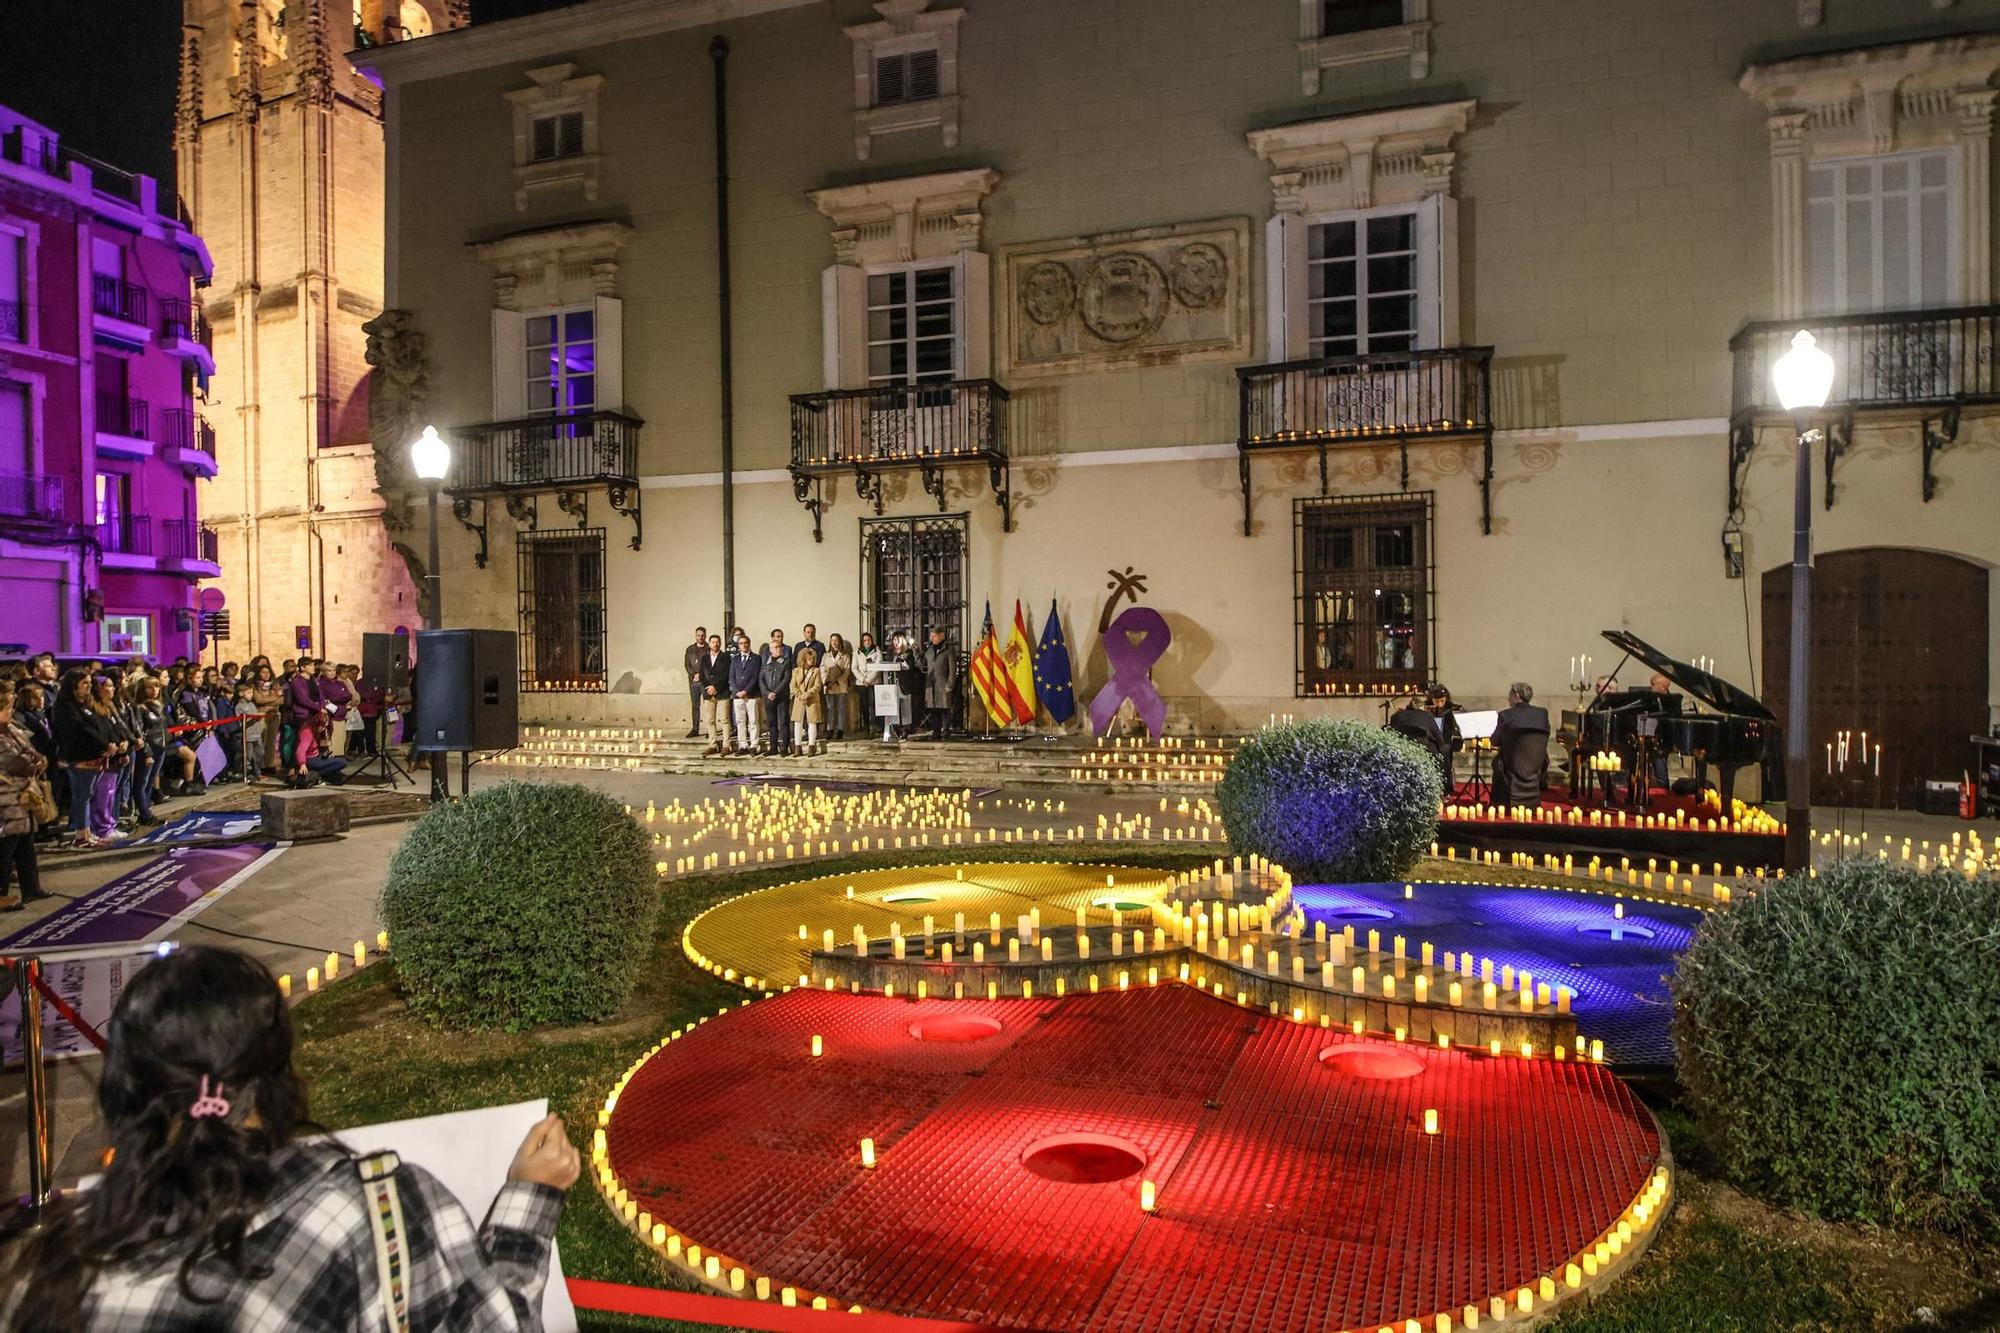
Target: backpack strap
{"points": [[385, 1218]]}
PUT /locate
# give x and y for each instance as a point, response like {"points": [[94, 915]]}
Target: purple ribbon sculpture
{"points": [[1134, 641]]}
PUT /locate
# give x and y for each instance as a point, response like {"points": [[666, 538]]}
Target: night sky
{"points": [[101, 72]]}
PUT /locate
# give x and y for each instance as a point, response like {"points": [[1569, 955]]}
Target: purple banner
{"points": [[143, 905], [209, 758]]}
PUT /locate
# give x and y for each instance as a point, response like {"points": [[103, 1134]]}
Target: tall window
{"points": [[114, 498], [17, 441], [561, 609], [13, 285], [1363, 283], [913, 577], [1364, 593], [555, 136], [912, 326], [562, 361], [1879, 233], [1343, 16], [907, 76]]}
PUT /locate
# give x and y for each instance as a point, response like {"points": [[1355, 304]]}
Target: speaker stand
{"points": [[384, 762]]}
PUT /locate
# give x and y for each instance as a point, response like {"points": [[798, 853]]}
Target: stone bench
{"points": [[290, 816]]}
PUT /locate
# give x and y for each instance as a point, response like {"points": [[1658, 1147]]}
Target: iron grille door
{"points": [[561, 610], [913, 576], [1366, 592]]}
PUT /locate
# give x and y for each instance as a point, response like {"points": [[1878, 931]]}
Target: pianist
{"points": [[1659, 684], [1522, 739]]}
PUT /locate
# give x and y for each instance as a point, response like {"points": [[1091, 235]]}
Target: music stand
{"points": [[1477, 725]]}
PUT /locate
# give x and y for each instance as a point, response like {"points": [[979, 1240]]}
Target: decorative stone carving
{"points": [[1149, 297], [1365, 160], [399, 388], [910, 217], [552, 266]]}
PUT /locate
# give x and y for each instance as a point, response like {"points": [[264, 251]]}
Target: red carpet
{"points": [[1293, 1195]]}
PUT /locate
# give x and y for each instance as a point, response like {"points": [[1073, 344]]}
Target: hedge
{"points": [[522, 904]]}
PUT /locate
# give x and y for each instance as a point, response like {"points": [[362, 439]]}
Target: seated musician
{"points": [[1522, 739], [1659, 684], [1433, 727]]}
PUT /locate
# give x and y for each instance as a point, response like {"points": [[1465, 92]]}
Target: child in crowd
{"points": [[252, 714]]}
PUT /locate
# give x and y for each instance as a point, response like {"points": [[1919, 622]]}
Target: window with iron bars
{"points": [[1365, 572], [562, 609]]}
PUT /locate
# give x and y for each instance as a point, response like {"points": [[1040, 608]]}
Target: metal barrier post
{"points": [[27, 971]]}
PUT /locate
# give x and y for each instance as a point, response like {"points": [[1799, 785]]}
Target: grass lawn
{"points": [[1721, 1262]]}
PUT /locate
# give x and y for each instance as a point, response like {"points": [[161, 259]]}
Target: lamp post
{"points": [[1803, 378], [430, 459]]}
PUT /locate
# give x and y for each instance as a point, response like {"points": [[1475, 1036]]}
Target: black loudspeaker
{"points": [[468, 690], [385, 661]]}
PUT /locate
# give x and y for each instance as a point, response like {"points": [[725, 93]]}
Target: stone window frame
{"points": [[1354, 164], [884, 225], [546, 270], [30, 295], [905, 25], [1318, 52], [551, 90], [1869, 103]]}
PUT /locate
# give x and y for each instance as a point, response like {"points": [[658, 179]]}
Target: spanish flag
{"points": [[1020, 657]]}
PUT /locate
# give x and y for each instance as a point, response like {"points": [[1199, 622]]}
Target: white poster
{"points": [[469, 1152]]}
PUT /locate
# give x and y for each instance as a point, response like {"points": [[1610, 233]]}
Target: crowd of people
{"points": [[88, 753], [791, 699]]}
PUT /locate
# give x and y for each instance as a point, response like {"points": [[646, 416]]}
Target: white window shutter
{"points": [[843, 326], [510, 365], [975, 315], [610, 349], [1437, 273], [1284, 287]]}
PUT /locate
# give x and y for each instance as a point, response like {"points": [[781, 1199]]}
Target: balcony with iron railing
{"points": [[126, 535], [117, 298], [1375, 399], [1925, 367], [124, 426], [35, 498], [184, 330], [884, 427], [191, 546], [569, 454], [187, 441]]}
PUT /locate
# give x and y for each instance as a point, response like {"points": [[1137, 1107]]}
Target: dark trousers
{"points": [[778, 722], [940, 719], [694, 705], [145, 764], [17, 862]]}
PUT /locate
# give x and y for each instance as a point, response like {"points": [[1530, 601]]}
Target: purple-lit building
{"points": [[104, 355]]}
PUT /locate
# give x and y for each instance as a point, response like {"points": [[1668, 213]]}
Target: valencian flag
{"points": [[1019, 655], [990, 678], [1052, 672]]}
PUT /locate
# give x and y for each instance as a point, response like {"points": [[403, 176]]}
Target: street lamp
{"points": [[1803, 378], [430, 459]]}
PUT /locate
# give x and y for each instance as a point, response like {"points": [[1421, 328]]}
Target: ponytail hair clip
{"points": [[207, 1103]]}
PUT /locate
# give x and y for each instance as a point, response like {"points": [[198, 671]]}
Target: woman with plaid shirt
{"points": [[212, 1215]]}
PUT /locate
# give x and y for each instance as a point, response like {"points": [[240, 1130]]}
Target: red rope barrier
{"points": [[74, 1019], [730, 1312]]}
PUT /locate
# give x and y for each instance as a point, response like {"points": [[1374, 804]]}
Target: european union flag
{"points": [[1052, 671]]}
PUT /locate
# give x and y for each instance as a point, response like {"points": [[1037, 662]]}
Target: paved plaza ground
{"points": [[320, 897]]}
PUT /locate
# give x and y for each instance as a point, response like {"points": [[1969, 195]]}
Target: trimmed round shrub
{"points": [[1332, 800], [523, 904], [1839, 1037]]}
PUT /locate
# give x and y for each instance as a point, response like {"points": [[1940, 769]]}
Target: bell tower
{"points": [[278, 143]]}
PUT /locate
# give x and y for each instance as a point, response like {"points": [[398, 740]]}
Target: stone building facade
{"points": [[1391, 341], [278, 145]]}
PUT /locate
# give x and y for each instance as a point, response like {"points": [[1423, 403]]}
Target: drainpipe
{"points": [[718, 51]]}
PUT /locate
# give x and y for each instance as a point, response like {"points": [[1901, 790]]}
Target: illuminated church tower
{"points": [[279, 149]]}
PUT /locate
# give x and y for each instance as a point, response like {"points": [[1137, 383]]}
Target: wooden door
{"points": [[1899, 648]]}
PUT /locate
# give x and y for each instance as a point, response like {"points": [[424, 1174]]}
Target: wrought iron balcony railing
{"points": [[204, 437], [186, 539], [1931, 364], [177, 428], [34, 496], [126, 534], [13, 321], [117, 298], [546, 453], [886, 426], [130, 417], [42, 154], [180, 318], [569, 454], [1376, 398]]}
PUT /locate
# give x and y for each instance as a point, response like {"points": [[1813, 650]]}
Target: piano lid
{"points": [[1714, 691]]}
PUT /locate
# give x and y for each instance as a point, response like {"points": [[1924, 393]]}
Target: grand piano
{"points": [[1740, 731]]}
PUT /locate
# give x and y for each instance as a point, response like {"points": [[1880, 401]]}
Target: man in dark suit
{"points": [[1432, 727], [774, 680], [1522, 740]]}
